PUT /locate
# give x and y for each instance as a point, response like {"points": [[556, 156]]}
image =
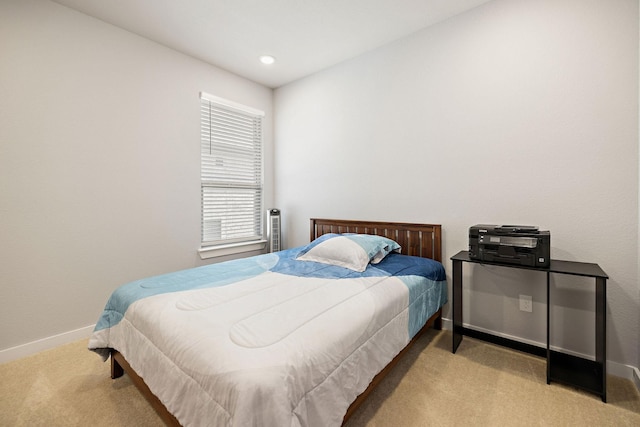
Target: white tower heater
{"points": [[274, 237]]}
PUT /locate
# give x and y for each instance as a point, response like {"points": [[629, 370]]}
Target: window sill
{"points": [[231, 249]]}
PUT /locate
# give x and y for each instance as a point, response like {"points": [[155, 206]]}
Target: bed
{"points": [[297, 337]]}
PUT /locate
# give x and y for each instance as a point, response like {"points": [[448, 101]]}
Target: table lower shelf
{"points": [[577, 372], [495, 339]]}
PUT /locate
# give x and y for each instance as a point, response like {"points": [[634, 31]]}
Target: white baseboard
{"points": [[636, 377], [48, 343], [614, 368]]}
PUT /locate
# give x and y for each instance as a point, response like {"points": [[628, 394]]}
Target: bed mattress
{"points": [[268, 340]]}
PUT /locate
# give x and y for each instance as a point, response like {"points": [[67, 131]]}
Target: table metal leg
{"points": [[601, 330], [457, 304]]}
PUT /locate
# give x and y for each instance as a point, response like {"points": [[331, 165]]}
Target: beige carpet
{"points": [[481, 385]]}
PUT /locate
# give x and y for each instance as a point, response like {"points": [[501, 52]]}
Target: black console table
{"points": [[583, 373]]}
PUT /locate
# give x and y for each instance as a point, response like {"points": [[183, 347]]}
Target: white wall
{"points": [[99, 163], [518, 111]]}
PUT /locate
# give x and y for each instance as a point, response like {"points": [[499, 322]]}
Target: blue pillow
{"points": [[352, 251]]}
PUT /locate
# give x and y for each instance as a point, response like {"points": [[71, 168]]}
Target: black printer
{"points": [[510, 244]]}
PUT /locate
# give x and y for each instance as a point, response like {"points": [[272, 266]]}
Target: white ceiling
{"points": [[305, 36]]}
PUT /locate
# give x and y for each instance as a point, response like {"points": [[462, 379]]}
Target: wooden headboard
{"points": [[423, 240]]}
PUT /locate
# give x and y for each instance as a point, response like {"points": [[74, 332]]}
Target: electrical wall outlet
{"points": [[526, 303]]}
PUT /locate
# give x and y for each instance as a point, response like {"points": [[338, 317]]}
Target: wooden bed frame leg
{"points": [[116, 369], [437, 323]]}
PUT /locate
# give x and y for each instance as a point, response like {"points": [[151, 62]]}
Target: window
{"points": [[231, 173]]}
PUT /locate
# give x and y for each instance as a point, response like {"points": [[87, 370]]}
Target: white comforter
{"points": [[271, 349]]}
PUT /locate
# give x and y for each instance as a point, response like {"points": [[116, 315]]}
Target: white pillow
{"points": [[352, 251]]}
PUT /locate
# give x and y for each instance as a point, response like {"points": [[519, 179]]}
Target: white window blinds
{"points": [[231, 172]]}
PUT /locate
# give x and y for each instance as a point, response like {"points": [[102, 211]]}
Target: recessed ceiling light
{"points": [[267, 59]]}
